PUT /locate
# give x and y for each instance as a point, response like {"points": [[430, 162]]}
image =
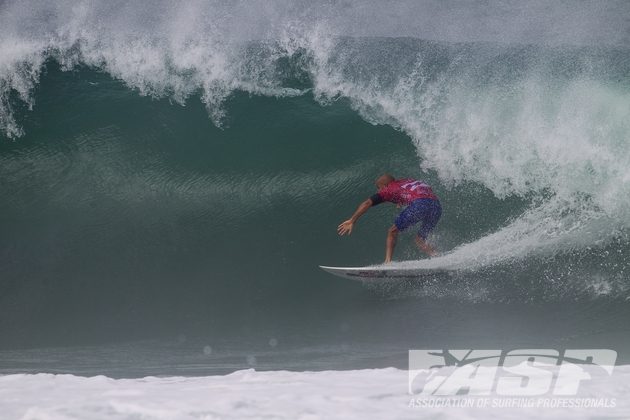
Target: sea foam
{"points": [[360, 394]]}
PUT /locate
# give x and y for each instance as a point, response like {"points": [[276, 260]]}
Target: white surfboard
{"points": [[384, 273]]}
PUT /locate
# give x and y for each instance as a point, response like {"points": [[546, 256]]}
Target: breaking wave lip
{"points": [[514, 119]]}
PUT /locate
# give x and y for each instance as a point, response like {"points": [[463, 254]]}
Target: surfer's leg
{"points": [[392, 235], [425, 247], [408, 217], [432, 212]]}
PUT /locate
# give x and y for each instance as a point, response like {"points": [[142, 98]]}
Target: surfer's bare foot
{"points": [[425, 247]]}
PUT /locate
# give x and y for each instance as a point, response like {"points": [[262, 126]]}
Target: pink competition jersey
{"points": [[404, 191]]}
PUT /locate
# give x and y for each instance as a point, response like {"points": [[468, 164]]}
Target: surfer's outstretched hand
{"points": [[345, 228]]}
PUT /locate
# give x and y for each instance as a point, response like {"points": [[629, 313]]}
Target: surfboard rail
{"points": [[382, 273]]}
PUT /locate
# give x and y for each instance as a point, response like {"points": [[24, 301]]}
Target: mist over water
{"points": [[180, 168]]}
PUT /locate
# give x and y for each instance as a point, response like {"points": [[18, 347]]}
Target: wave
{"points": [[546, 122], [372, 393]]}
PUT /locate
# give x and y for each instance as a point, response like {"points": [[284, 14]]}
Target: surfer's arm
{"points": [[346, 227]]}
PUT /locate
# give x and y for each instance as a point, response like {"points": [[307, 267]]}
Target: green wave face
{"points": [[164, 170]]}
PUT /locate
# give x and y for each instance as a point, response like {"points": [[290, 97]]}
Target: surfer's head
{"points": [[383, 180]]}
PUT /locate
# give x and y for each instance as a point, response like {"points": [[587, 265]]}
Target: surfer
{"points": [[422, 206]]}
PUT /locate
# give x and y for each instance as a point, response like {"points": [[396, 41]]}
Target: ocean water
{"points": [[173, 173]]}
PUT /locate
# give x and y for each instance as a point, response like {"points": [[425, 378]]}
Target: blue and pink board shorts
{"points": [[425, 210]]}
